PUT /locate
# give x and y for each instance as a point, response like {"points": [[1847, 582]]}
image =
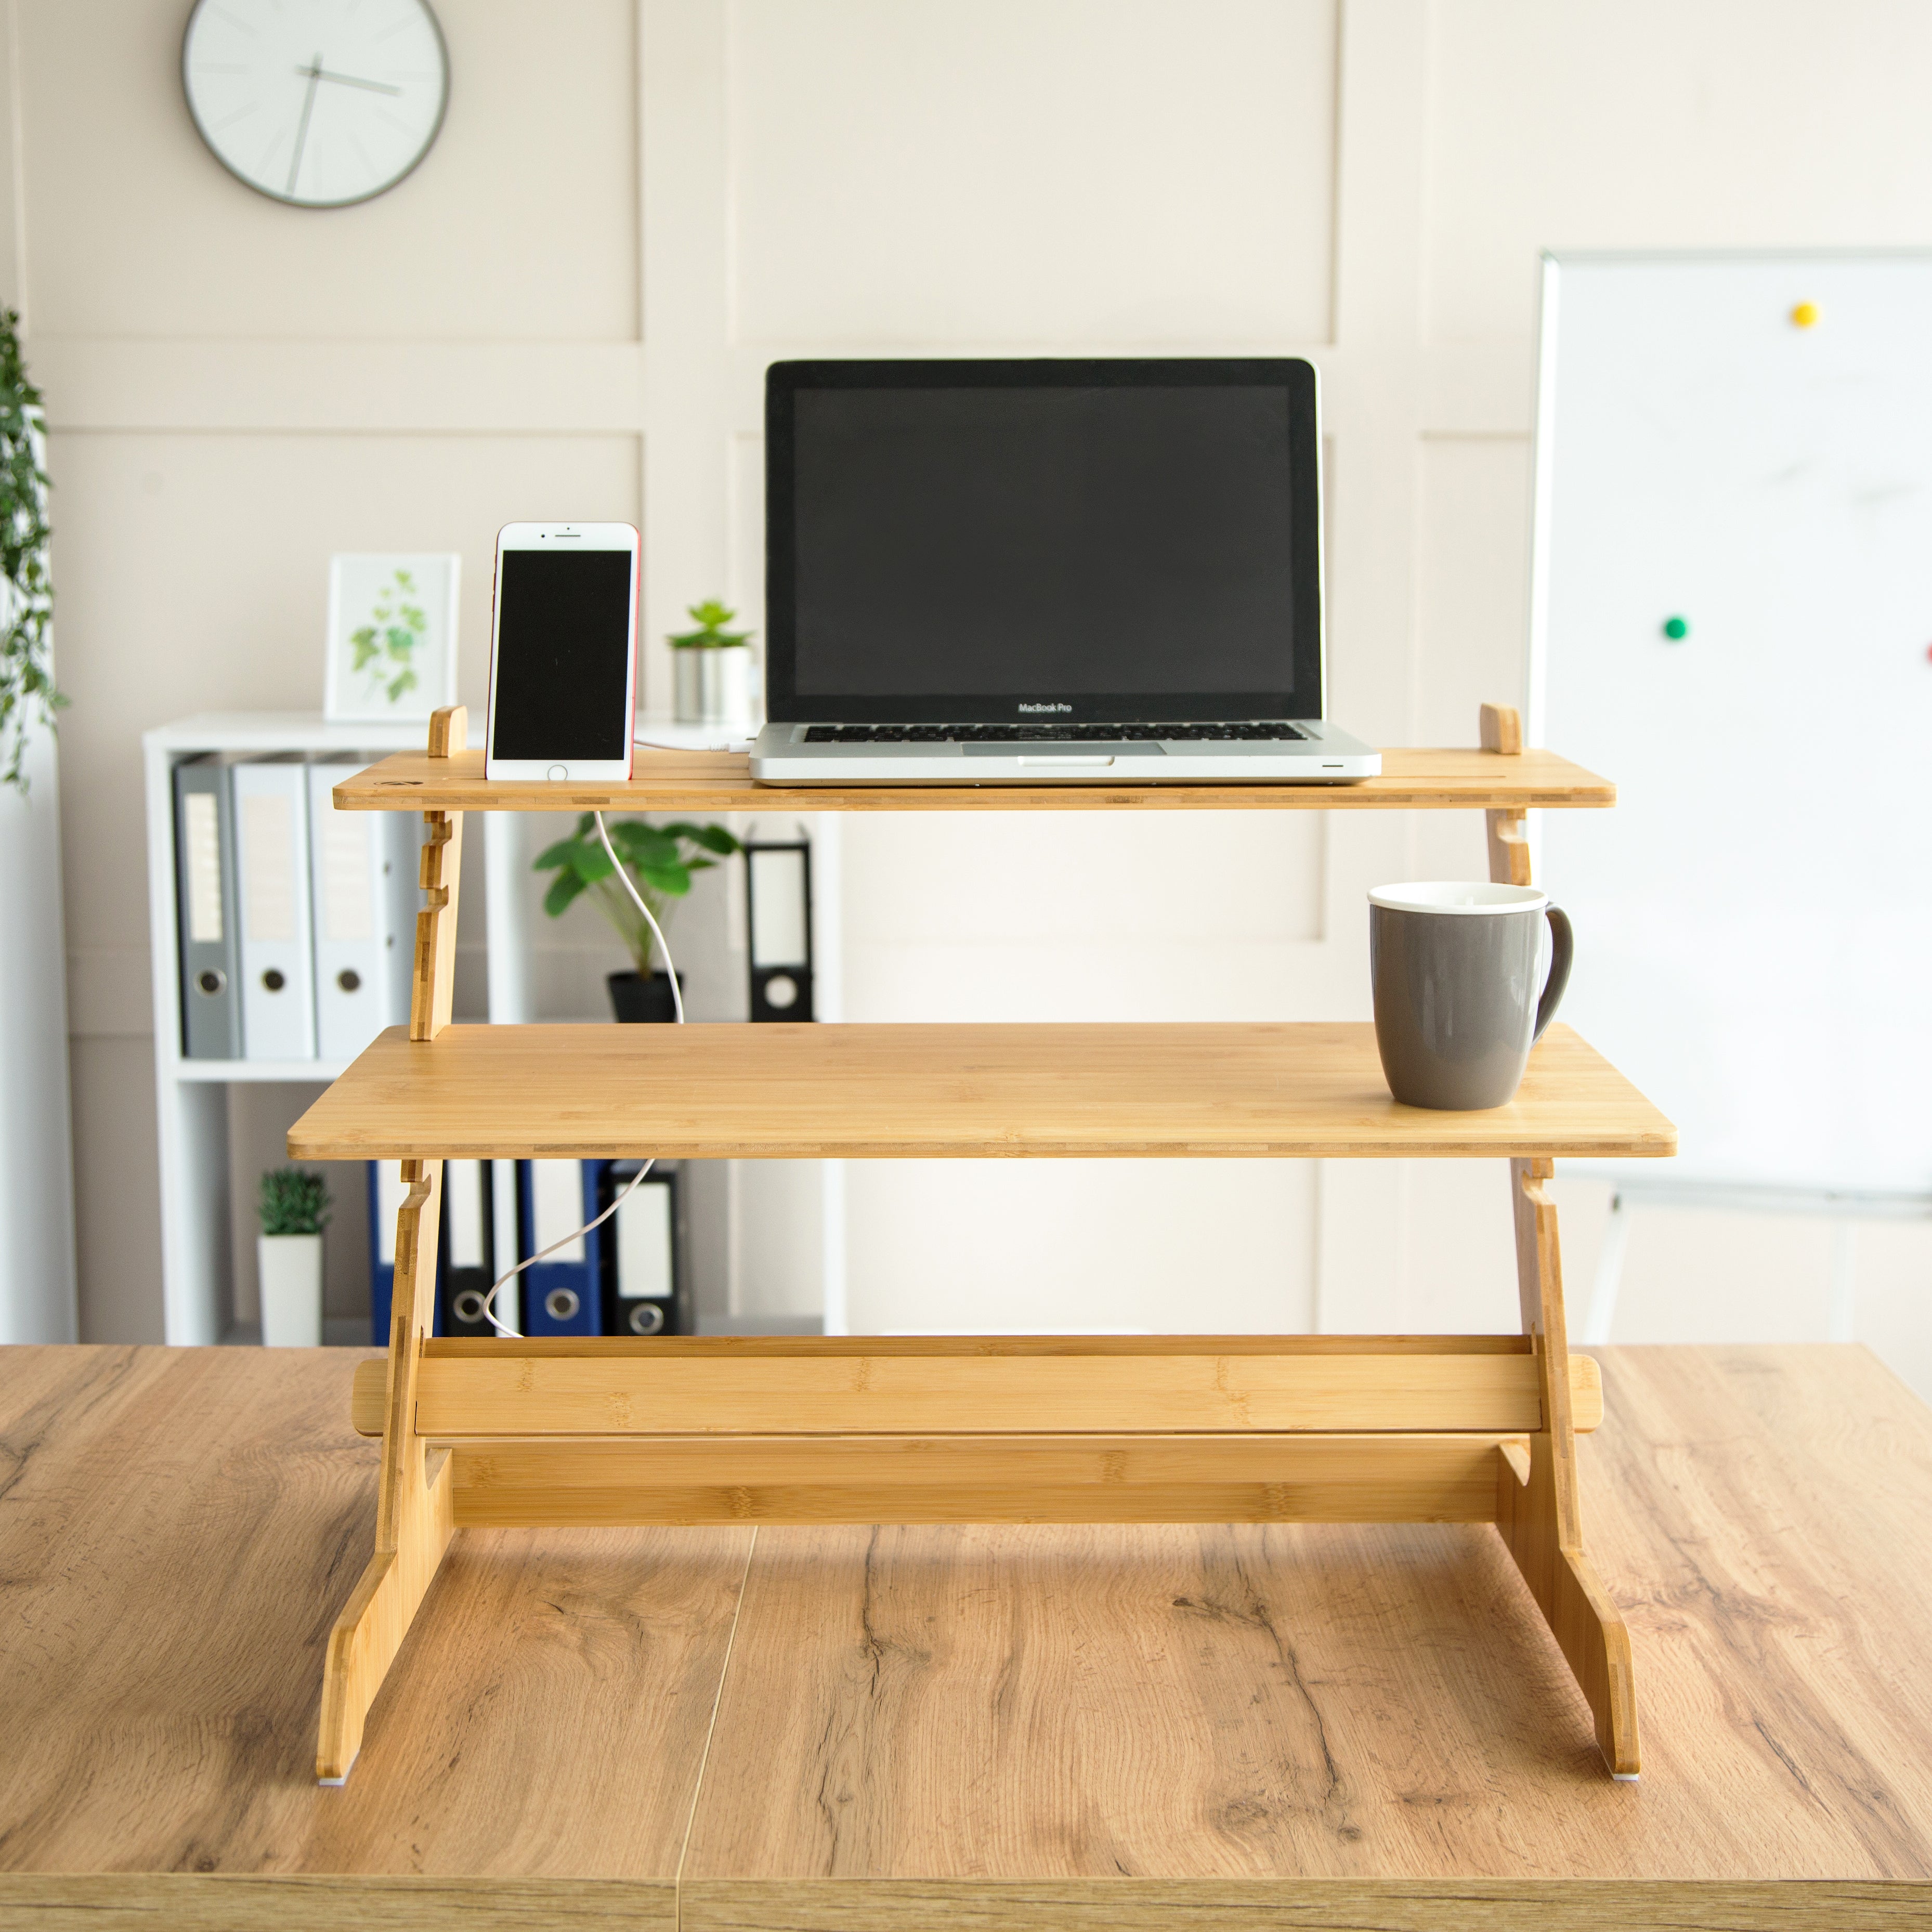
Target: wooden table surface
{"points": [[1015, 1727], [1281, 1087], [665, 781]]}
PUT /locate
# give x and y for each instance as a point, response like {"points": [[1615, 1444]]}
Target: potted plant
{"points": [[708, 666], [660, 859], [28, 696], [293, 1206]]}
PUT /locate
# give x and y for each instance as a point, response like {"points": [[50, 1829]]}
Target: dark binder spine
{"points": [[463, 1287], [634, 1314], [207, 945], [381, 1273]]}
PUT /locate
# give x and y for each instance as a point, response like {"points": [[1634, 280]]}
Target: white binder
{"points": [[271, 847], [647, 1262], [363, 869]]}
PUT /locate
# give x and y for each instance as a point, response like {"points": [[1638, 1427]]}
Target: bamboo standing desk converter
{"points": [[837, 1429]]}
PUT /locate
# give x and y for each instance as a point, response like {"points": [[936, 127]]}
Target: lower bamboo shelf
{"points": [[1306, 1089]]}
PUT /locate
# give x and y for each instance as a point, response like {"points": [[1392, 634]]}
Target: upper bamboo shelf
{"points": [[806, 1091], [721, 782]]}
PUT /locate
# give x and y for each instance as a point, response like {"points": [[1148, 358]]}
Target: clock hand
{"points": [[314, 73], [350, 80]]}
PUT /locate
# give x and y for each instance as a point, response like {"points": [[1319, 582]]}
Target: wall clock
{"points": [[316, 103]]}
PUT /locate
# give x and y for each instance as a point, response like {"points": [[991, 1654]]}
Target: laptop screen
{"points": [[987, 541]]}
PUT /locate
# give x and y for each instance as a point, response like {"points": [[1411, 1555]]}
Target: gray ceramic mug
{"points": [[1456, 970]]}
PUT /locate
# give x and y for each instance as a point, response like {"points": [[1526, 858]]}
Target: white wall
{"points": [[569, 309], [38, 1301]]}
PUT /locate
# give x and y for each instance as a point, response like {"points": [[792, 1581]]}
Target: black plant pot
{"points": [[635, 998]]}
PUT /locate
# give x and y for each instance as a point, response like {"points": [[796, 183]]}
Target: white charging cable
{"points": [[729, 744], [490, 1300], [677, 1007], [638, 900]]}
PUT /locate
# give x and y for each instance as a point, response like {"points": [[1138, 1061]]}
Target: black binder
{"points": [[645, 1286], [778, 906], [209, 944], [468, 1266]]}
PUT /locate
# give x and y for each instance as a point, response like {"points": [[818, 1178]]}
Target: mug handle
{"points": [[1563, 952]]}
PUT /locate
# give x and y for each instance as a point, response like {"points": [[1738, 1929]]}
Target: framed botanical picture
{"points": [[392, 636]]}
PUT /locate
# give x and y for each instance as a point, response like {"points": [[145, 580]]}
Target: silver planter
{"points": [[708, 685]]}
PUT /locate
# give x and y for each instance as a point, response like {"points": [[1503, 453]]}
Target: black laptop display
{"points": [[1030, 551]]}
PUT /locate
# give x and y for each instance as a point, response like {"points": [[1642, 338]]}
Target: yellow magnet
{"points": [[1805, 314]]}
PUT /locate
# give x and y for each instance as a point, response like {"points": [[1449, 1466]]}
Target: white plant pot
{"points": [[291, 1275], [708, 685]]}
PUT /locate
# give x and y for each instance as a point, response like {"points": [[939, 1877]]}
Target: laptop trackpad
{"points": [[1034, 752]]}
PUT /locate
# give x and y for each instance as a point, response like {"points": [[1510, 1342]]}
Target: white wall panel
{"points": [[1472, 619], [1005, 915], [1037, 171], [520, 224], [1602, 123], [1045, 1247], [117, 1197]]}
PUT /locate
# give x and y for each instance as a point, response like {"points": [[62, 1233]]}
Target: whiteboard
{"points": [[1754, 919]]}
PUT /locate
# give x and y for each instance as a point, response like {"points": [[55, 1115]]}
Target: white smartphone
{"points": [[563, 652]]}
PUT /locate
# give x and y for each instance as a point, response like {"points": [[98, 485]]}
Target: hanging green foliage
{"points": [[28, 696]]}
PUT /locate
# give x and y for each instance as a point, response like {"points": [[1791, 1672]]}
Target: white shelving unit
{"points": [[192, 1096]]}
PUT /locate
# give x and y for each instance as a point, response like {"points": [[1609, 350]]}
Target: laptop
{"points": [[1079, 571]]}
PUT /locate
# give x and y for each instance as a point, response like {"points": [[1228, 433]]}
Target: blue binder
{"points": [[561, 1295]]}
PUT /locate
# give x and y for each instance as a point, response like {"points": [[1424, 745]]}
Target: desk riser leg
{"points": [[1540, 1519], [415, 1507], [1537, 1510]]}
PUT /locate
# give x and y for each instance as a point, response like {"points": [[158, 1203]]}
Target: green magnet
{"points": [[1676, 629]]}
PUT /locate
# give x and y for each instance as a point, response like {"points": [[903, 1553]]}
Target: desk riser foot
{"points": [[374, 1621]]}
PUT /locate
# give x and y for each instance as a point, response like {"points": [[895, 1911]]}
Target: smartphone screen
{"points": [[563, 635]]}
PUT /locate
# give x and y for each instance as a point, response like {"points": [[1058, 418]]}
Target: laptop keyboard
{"points": [[1266, 730]]}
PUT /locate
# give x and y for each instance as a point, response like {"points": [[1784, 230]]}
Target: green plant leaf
{"points": [[593, 863], [636, 852], [563, 889], [563, 853], [291, 1201], [712, 616], [712, 838]]}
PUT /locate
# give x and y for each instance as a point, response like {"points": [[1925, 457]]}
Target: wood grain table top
{"points": [[666, 780], [1294, 1088], [1003, 1727]]}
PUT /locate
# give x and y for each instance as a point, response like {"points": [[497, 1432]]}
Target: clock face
{"points": [[318, 103]]}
